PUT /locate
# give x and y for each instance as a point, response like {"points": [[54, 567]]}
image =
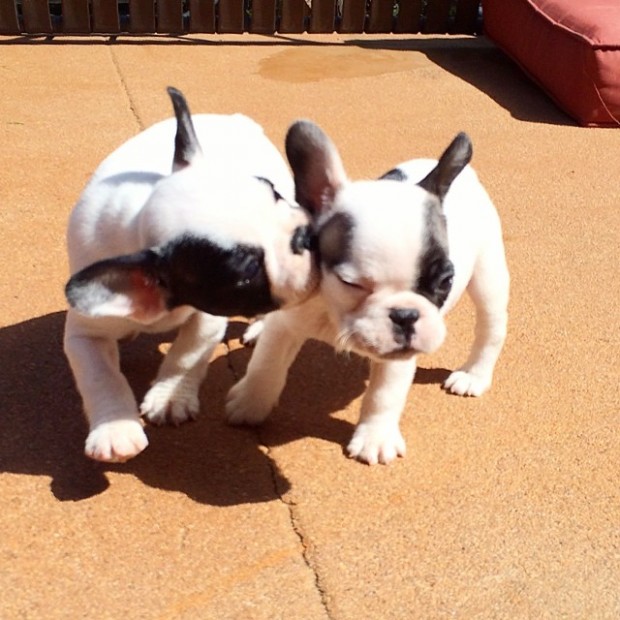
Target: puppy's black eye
{"points": [[445, 280], [435, 282], [248, 268], [300, 241]]}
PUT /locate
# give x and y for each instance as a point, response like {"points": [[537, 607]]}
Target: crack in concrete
{"points": [[229, 364], [290, 506], [306, 545], [125, 88]]}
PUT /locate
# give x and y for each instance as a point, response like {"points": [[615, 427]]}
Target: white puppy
{"points": [[195, 215], [395, 256]]}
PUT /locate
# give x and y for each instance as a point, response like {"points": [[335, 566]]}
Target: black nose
{"points": [[404, 320]]}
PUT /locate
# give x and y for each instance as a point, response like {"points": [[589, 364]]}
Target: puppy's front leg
{"points": [[116, 433], [377, 438], [251, 399], [174, 395]]}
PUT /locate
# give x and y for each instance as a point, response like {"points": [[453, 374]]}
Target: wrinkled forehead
{"points": [[378, 223]]}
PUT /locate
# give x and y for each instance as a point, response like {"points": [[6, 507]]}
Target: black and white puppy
{"points": [[395, 256], [190, 221]]}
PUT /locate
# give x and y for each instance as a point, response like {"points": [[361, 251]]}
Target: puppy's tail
{"points": [[186, 145]]}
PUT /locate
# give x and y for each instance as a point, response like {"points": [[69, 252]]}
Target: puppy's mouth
{"points": [[391, 341], [354, 342], [401, 353]]}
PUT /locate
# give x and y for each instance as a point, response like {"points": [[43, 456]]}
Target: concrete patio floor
{"points": [[506, 506]]}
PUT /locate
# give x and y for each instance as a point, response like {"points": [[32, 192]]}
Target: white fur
{"points": [[351, 310], [133, 202]]}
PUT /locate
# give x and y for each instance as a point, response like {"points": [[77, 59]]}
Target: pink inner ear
{"points": [[147, 302]]}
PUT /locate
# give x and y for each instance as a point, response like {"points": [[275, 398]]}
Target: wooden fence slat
{"points": [[202, 16], [263, 17], [105, 16], [141, 16], [36, 16], [409, 16], [293, 18], [466, 20], [230, 16], [9, 23], [437, 14], [170, 16], [381, 16], [75, 16], [353, 16], [323, 16]]}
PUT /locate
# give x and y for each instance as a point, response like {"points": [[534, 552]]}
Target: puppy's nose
{"points": [[404, 320], [404, 317]]}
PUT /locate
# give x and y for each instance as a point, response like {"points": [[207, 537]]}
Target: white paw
{"points": [[252, 332], [171, 400], [243, 406], [376, 443], [466, 383], [116, 442]]}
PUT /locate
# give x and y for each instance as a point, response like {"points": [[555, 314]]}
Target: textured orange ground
{"points": [[505, 507]]}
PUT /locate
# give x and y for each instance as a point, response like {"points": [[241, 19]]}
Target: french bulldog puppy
{"points": [[188, 222], [395, 256]]}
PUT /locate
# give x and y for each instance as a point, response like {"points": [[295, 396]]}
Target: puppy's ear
{"points": [[316, 165], [129, 286], [186, 145], [449, 166]]}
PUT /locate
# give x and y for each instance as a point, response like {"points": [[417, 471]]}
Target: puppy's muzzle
{"points": [[403, 324]]}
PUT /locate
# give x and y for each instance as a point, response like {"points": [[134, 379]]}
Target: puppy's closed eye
{"points": [[350, 283], [353, 284]]}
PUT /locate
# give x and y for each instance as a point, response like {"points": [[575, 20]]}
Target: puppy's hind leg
{"points": [[174, 394], [489, 290]]}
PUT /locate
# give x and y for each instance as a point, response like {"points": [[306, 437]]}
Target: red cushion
{"points": [[570, 47]]}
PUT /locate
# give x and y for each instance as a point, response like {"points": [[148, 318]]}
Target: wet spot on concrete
{"points": [[314, 64]]}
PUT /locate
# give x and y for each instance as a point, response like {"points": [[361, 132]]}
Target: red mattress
{"points": [[570, 47]]}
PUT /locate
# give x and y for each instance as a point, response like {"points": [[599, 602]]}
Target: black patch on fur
{"points": [[396, 174], [113, 275], [186, 145], [334, 240], [199, 273], [313, 159], [436, 271], [449, 166], [276, 195]]}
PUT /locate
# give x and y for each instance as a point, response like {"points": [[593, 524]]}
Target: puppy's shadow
{"points": [[319, 383], [44, 429], [480, 63], [431, 376]]}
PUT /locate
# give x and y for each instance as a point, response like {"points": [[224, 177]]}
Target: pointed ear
{"points": [[316, 165], [449, 166], [127, 286], [186, 145]]}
